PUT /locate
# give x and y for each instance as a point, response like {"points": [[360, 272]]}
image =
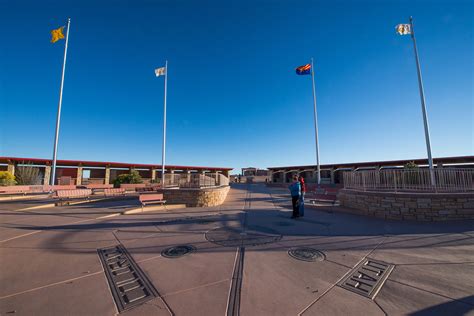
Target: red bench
{"points": [[54, 188], [99, 186], [66, 195], [114, 191], [323, 194], [151, 198], [132, 186], [147, 189], [12, 189], [317, 197]]}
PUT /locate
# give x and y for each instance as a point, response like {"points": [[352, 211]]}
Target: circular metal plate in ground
{"points": [[306, 254], [178, 251], [240, 237]]}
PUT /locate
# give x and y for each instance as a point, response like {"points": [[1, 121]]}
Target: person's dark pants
{"points": [[295, 202]]}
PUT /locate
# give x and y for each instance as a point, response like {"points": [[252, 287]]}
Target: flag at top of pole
{"points": [[403, 29], [57, 34], [160, 71], [303, 70]]}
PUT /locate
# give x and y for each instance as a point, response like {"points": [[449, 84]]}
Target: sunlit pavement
{"points": [[50, 265]]}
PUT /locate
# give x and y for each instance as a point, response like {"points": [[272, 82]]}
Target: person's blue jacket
{"points": [[295, 188]]}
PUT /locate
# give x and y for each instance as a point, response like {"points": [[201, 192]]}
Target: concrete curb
{"points": [[140, 210]]}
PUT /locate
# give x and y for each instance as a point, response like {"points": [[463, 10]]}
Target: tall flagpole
{"points": [[316, 125], [58, 118], [423, 106], [164, 131]]}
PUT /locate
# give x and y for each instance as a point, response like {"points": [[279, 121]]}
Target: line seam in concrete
{"points": [[52, 284], [383, 311], [196, 287]]}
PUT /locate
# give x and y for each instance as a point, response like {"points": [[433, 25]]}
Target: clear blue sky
{"points": [[233, 96]]}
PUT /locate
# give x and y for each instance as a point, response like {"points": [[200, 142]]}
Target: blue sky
{"points": [[233, 96]]}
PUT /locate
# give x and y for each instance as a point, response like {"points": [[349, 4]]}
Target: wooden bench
{"points": [[66, 195], [54, 188], [147, 189], [114, 191], [132, 186], [151, 198], [99, 186], [317, 197], [15, 189]]}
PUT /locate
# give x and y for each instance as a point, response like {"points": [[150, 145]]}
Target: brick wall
{"points": [[409, 206], [196, 197]]}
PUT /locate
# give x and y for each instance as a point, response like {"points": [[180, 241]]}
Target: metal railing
{"points": [[447, 180], [195, 180]]}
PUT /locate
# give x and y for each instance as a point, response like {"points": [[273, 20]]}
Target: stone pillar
{"points": [[153, 174], [79, 175], [188, 176], [333, 181], [107, 175], [11, 168], [47, 175]]}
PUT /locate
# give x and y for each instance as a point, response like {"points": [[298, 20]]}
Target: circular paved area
{"points": [[50, 263]]}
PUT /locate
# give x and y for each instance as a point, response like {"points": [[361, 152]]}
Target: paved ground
{"points": [[49, 263]]}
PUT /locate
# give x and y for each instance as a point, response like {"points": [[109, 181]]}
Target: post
{"points": [[11, 167], [423, 106], [47, 175], [164, 131], [318, 175], [107, 175], [79, 175], [58, 118]]}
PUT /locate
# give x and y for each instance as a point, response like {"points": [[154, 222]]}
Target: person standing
{"points": [[295, 190], [303, 192]]}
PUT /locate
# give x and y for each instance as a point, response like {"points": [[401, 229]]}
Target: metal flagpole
{"points": [[316, 125], [58, 118], [423, 106], [164, 131]]}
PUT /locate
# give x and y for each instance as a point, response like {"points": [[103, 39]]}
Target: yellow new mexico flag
{"points": [[57, 34]]}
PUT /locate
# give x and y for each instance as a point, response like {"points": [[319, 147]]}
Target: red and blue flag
{"points": [[304, 70]]}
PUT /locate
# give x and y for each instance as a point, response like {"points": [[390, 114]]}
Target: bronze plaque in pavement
{"points": [[367, 278]]}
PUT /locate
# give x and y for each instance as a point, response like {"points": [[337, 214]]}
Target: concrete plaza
{"points": [[50, 265]]}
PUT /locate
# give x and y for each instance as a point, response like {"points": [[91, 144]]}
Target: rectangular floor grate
{"points": [[367, 278], [233, 303], [129, 285]]}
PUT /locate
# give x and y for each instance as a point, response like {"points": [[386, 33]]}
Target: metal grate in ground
{"points": [[129, 285], [367, 278]]}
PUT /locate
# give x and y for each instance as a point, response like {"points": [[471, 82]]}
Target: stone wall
{"points": [[409, 206], [196, 197]]}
